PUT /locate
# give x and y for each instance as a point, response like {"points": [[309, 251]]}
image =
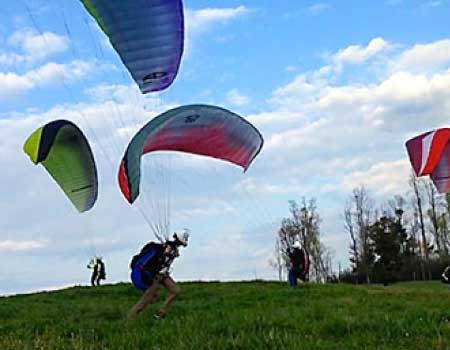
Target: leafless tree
{"points": [[349, 226], [363, 213], [432, 212], [303, 225], [277, 262], [418, 197]]}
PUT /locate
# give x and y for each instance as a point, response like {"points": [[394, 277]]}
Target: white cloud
{"points": [[302, 137], [383, 177], [272, 117], [12, 246], [253, 185], [34, 47], [199, 21], [120, 94], [294, 95], [290, 68], [203, 207], [357, 54], [39, 45], [235, 98], [246, 253], [56, 72], [11, 59], [398, 96], [317, 9], [424, 57], [14, 84]]}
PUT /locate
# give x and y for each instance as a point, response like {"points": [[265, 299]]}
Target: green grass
{"points": [[240, 315]]}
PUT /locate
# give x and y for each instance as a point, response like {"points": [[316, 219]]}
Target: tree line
{"points": [[405, 238]]}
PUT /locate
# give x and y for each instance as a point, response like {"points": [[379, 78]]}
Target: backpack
{"points": [[146, 249], [141, 273], [102, 270]]}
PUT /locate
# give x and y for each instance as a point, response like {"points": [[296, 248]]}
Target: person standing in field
{"points": [[299, 264], [101, 270], [98, 271], [150, 270]]}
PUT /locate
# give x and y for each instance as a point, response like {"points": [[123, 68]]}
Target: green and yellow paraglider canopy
{"points": [[64, 151]]}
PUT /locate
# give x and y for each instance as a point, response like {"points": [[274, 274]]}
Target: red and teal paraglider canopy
{"points": [[198, 129]]}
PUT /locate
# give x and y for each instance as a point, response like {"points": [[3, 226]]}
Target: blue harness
{"points": [[141, 278]]}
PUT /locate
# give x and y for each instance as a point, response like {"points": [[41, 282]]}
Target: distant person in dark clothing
{"points": [[332, 278], [299, 265], [101, 271], [98, 271]]}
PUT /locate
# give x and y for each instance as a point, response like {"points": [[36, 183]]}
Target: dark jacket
{"points": [[299, 260], [157, 259], [101, 270]]}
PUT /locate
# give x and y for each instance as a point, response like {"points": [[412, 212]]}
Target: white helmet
{"points": [[183, 238], [297, 244]]}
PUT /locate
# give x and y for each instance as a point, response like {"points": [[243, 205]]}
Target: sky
{"points": [[336, 88]]}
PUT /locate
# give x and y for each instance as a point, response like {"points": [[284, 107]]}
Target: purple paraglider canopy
{"points": [[148, 35]]}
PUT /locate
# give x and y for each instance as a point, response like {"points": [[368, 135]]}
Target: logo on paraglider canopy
{"points": [[154, 76], [191, 118], [79, 189]]}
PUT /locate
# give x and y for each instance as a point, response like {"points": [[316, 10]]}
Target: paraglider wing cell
{"points": [[64, 151], [198, 129], [429, 154], [148, 35]]}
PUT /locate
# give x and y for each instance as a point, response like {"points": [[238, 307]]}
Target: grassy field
{"points": [[240, 315]]}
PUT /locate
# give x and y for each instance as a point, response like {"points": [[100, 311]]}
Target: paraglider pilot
{"points": [[299, 264], [98, 271], [151, 268]]}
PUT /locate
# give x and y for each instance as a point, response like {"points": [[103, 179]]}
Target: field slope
{"points": [[239, 315]]}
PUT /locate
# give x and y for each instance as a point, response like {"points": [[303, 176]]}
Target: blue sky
{"points": [[336, 88]]}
